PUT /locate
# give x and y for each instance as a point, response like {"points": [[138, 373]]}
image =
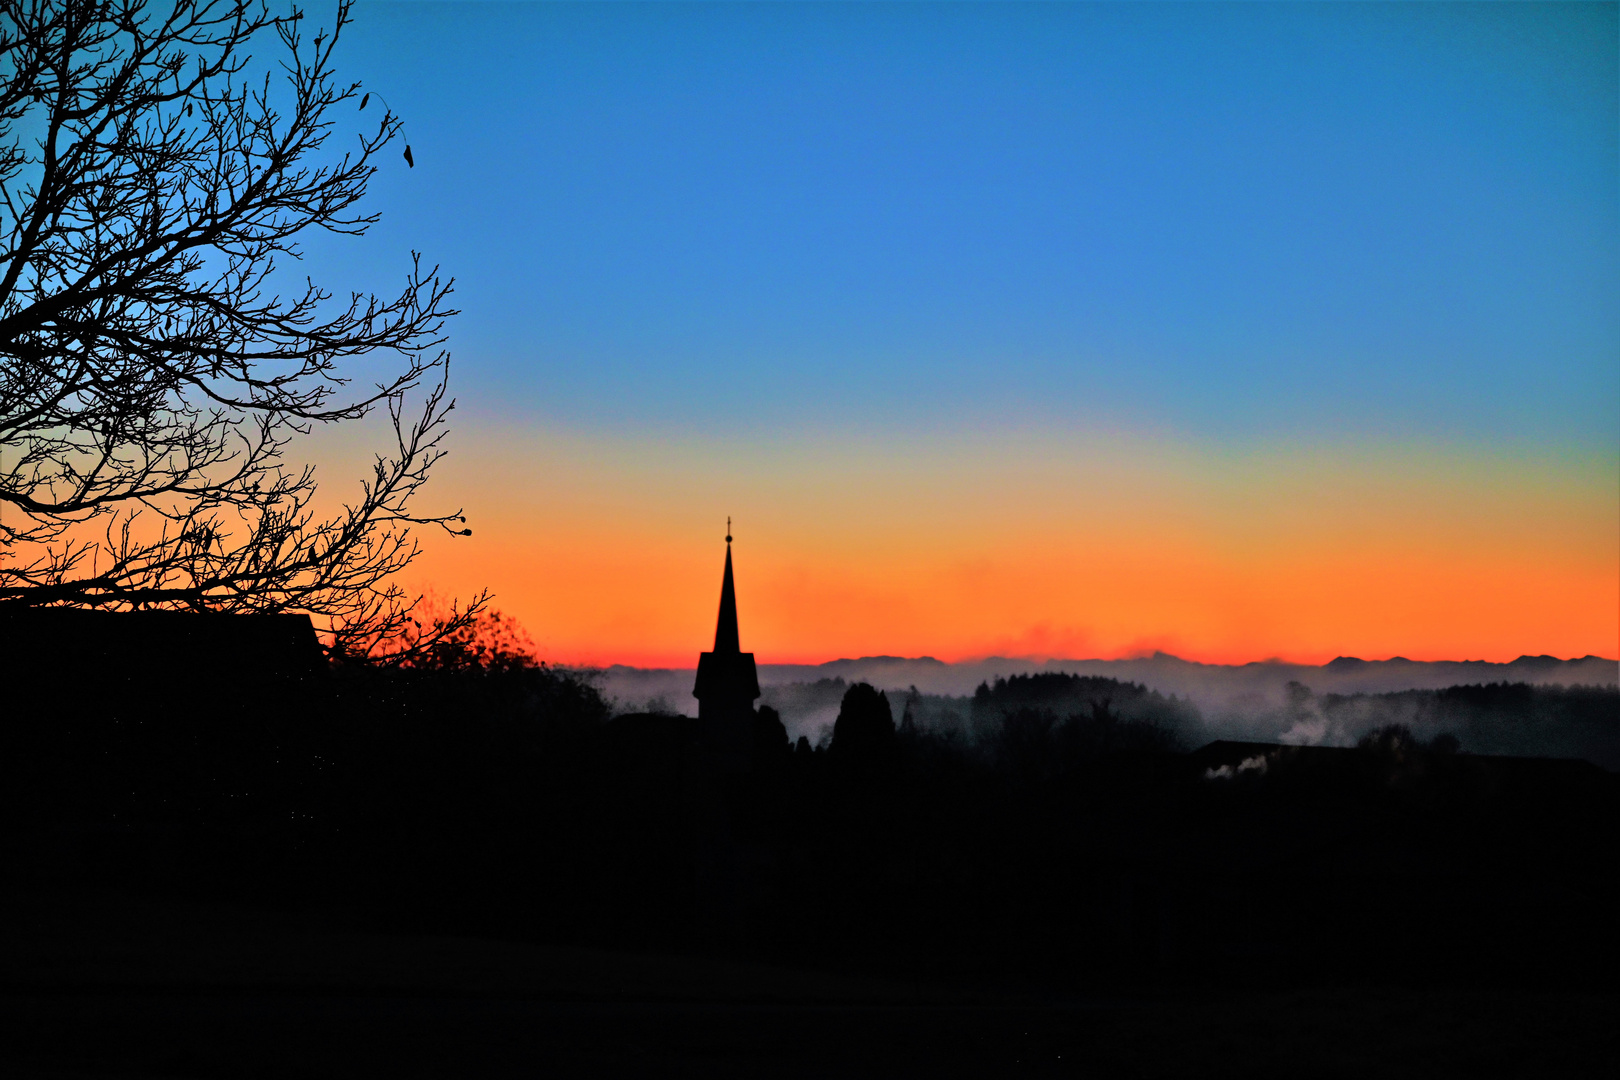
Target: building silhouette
{"points": [[80, 659], [143, 720], [727, 682]]}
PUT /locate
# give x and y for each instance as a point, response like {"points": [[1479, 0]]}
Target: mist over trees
{"points": [[1519, 719], [1514, 719]]}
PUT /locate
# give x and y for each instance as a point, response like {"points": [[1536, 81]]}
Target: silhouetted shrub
{"points": [[770, 738], [1024, 742], [1391, 740], [864, 731]]}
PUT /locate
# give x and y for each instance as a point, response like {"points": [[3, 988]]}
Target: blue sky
{"points": [[1238, 331], [1216, 222]]}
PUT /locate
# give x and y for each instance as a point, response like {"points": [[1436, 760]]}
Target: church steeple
{"points": [[727, 681], [725, 631]]}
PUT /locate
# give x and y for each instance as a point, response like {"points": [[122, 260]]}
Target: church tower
{"points": [[727, 683]]}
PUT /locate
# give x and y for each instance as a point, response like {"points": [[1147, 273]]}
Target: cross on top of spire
{"points": [[728, 528]]}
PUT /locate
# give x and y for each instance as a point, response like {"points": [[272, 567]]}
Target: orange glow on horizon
{"points": [[660, 612], [612, 554]]}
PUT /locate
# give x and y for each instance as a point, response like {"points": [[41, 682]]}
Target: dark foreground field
{"points": [[101, 985], [479, 872]]}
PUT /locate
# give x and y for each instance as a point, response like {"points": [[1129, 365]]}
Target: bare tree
{"points": [[152, 376]]}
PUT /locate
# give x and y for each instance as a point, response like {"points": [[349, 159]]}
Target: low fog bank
{"points": [[1209, 684], [1532, 706]]}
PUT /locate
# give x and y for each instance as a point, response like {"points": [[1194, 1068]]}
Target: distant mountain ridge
{"points": [[1212, 686], [1171, 674]]}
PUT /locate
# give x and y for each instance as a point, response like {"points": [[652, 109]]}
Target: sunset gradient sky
{"points": [[1233, 331]]}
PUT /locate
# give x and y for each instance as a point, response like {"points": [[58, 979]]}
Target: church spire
{"points": [[725, 632], [727, 681]]}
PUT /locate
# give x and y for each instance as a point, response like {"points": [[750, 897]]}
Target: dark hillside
{"points": [[1052, 846], [1055, 855]]}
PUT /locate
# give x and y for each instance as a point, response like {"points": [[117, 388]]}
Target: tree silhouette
{"points": [[864, 731], [770, 738], [152, 375]]}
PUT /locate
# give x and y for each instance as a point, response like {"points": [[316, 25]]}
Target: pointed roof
{"points": [[725, 631], [727, 682]]}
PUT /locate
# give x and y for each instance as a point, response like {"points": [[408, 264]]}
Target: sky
{"points": [[1038, 330]]}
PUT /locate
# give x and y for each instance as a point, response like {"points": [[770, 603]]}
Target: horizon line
{"points": [[1147, 657]]}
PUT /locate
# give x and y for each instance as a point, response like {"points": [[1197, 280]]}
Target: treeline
{"points": [[813, 706], [1063, 847], [1514, 719]]}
